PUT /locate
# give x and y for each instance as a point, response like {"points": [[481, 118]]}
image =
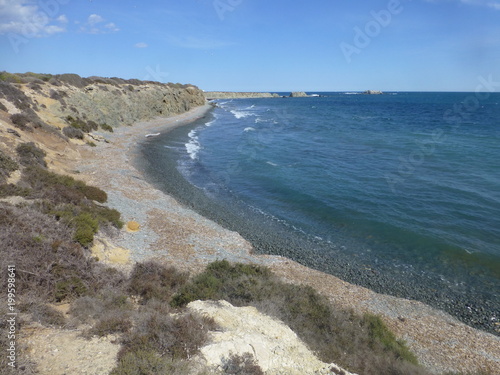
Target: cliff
{"points": [[55, 100], [238, 95]]}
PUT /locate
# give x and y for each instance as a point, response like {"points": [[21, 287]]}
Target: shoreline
{"points": [[172, 233]]}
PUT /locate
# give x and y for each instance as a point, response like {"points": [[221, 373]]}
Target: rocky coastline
{"points": [[170, 232]]}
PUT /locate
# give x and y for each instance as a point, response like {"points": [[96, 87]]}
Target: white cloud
{"points": [[112, 27], [141, 45], [26, 18], [94, 19], [95, 25], [62, 19]]}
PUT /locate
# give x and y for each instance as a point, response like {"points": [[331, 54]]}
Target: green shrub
{"points": [[380, 334], [30, 154], [107, 128], [9, 77], [152, 280], [80, 124], [92, 192], [86, 227]]}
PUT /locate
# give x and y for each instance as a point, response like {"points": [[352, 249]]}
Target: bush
{"points": [[11, 190], [361, 344], [86, 227], [380, 334], [9, 77], [20, 121], [30, 154], [69, 288], [72, 132], [80, 124], [67, 189], [7, 166], [110, 322], [72, 80], [46, 315], [244, 364], [175, 337], [107, 128], [151, 280], [15, 96], [145, 362]]}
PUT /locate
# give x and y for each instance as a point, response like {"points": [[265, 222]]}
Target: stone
{"points": [[298, 94], [274, 346]]}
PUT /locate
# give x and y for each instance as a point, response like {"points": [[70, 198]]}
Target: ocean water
{"points": [[400, 184]]}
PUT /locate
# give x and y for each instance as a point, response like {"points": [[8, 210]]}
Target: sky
{"points": [[259, 45]]}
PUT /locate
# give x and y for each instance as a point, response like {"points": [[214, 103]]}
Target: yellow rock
{"points": [[133, 226], [106, 252]]}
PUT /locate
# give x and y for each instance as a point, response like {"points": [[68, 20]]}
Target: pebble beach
{"points": [[172, 233]]}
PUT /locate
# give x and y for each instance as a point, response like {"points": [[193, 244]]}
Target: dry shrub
{"points": [[7, 166], [47, 315], [72, 132], [178, 337], [21, 121], [49, 264], [30, 155], [111, 321], [153, 280], [150, 363], [244, 364]]}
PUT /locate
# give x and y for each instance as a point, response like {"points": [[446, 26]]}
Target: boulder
{"points": [[298, 94]]}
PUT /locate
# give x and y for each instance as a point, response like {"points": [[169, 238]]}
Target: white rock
{"points": [[275, 347]]}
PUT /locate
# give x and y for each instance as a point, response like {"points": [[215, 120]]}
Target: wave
{"points": [[241, 114], [249, 129], [193, 146]]}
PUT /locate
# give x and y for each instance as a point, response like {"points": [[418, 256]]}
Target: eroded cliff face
{"points": [[238, 95], [110, 101]]}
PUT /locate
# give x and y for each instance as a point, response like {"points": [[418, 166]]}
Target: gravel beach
{"points": [[173, 233]]}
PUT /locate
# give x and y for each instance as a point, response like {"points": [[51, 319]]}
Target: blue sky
{"points": [[259, 45]]}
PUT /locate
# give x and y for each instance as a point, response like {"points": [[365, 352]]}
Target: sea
{"points": [[398, 192]]}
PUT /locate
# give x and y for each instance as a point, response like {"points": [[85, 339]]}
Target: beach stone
{"points": [[133, 226]]}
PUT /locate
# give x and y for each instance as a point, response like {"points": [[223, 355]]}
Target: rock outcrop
{"points": [[298, 94], [238, 95], [372, 92], [273, 345]]}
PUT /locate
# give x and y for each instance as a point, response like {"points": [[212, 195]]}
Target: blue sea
{"points": [[403, 183]]}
